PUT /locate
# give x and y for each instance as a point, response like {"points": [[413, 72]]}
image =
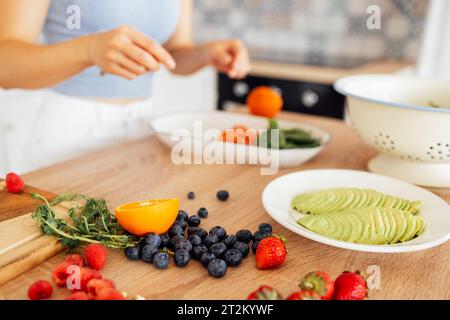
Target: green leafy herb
{"points": [[91, 222], [288, 138]]}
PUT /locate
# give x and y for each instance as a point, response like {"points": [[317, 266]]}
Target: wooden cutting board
{"points": [[23, 246]]}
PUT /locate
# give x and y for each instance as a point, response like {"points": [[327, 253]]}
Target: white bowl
{"points": [[165, 126], [391, 114], [278, 194]]}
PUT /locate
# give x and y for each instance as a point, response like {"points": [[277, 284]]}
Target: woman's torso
{"points": [[68, 19]]}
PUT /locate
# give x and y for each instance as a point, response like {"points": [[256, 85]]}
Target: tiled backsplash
{"points": [[314, 30]]}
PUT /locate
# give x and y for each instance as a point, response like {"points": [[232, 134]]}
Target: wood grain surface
{"points": [[143, 170]]}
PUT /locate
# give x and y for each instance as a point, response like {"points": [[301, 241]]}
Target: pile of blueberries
{"points": [[214, 249]]}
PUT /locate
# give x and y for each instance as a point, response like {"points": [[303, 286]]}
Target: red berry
{"points": [[86, 275], [40, 290], [75, 259], [61, 273], [350, 286], [271, 253], [95, 255], [94, 286], [109, 294], [304, 295], [80, 295], [265, 293], [321, 283], [14, 183]]}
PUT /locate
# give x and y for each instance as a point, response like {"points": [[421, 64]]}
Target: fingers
{"points": [[156, 50], [241, 61], [141, 57], [122, 72]]}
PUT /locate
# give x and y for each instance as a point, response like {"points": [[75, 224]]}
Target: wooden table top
{"points": [[143, 170]]}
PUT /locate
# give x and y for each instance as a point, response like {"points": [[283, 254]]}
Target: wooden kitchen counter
{"points": [[143, 170]]}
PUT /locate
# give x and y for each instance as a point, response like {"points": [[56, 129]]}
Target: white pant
{"points": [[43, 128]]}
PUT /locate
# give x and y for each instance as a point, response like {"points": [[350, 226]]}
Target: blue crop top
{"points": [[68, 19]]}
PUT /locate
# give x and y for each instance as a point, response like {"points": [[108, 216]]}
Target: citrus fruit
{"points": [[140, 218], [265, 102]]}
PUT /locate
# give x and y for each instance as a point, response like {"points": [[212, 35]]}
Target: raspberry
{"points": [[75, 259], [14, 183], [109, 294], [94, 286], [60, 274], [95, 255], [86, 275], [80, 295], [40, 290]]}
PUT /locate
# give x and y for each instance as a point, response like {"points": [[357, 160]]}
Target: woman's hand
{"points": [[127, 53], [230, 57]]}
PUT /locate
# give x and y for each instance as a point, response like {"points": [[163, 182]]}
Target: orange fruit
{"points": [[265, 102], [141, 218]]}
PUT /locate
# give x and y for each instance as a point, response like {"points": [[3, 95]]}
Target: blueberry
{"points": [[152, 240], [242, 247], [181, 258], [202, 213], [258, 236], [210, 239], [176, 229], [148, 252], [194, 221], [191, 195], [183, 245], [219, 232], [223, 195], [255, 246], [198, 251], [233, 257], [165, 238], [230, 240], [161, 260], [133, 253], [217, 268], [244, 236], [183, 224], [182, 216], [174, 240], [206, 258], [195, 240], [218, 249], [265, 228], [198, 231]]}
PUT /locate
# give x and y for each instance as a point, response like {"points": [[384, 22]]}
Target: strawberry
{"points": [[86, 275], [40, 290], [320, 282], [95, 255], [80, 295], [265, 293], [94, 286], [109, 294], [14, 183], [350, 286], [75, 259], [60, 274], [304, 295], [271, 252]]}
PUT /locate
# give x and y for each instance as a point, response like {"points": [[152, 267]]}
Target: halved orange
{"points": [[141, 218]]}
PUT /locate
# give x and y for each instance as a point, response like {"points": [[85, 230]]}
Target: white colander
{"points": [[395, 115]]}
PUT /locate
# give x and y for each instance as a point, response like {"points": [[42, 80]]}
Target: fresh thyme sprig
{"points": [[91, 222]]}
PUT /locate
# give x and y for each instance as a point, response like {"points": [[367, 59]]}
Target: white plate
{"points": [[278, 194], [164, 126]]}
